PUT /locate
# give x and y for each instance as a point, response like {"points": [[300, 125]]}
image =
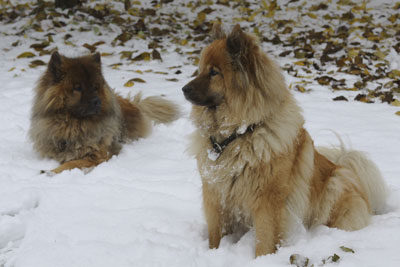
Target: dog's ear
{"points": [[236, 41], [54, 66], [97, 58], [217, 32]]}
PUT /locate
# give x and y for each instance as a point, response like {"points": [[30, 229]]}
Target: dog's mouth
{"points": [[83, 112], [210, 102], [207, 100]]}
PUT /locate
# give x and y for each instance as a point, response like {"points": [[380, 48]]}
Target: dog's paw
{"points": [[48, 173]]}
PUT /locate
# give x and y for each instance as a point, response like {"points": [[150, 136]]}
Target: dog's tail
{"points": [[368, 173], [156, 108]]}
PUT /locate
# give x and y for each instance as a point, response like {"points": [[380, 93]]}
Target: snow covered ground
{"points": [[143, 207]]}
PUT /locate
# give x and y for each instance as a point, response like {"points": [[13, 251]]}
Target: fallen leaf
{"points": [[92, 48], [340, 98], [395, 103], [143, 56], [299, 260], [36, 63], [156, 55], [126, 54], [129, 83], [346, 249], [139, 80], [300, 88], [26, 55]]}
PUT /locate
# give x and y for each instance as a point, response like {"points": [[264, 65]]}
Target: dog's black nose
{"points": [[187, 88], [96, 102]]}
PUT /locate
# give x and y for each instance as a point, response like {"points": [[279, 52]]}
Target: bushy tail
{"points": [[157, 108], [368, 173]]}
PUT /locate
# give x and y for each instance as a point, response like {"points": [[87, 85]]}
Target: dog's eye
{"points": [[213, 72], [78, 88]]}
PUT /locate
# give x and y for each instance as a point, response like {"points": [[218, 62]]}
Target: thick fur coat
{"points": [[78, 120], [270, 177]]}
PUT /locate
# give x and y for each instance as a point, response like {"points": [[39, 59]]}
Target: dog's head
{"points": [[73, 85], [234, 70], [220, 62]]}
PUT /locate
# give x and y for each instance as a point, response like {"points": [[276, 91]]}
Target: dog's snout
{"points": [[187, 88], [96, 102]]}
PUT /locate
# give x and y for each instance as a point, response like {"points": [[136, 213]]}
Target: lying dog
{"points": [[80, 122]]}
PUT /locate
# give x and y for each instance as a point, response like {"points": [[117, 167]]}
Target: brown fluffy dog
{"points": [[258, 164], [80, 122]]}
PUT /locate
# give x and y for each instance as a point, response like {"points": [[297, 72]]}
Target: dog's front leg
{"points": [[80, 164], [212, 210], [86, 162], [266, 230]]}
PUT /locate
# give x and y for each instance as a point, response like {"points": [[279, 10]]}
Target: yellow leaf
{"points": [[126, 54], [139, 80], [104, 54], [129, 83], [264, 3], [36, 63], [251, 18], [26, 54], [99, 7], [394, 73], [143, 56], [395, 103], [183, 41], [13, 68], [115, 66], [393, 18], [380, 54], [201, 17], [69, 43], [270, 14], [353, 52], [300, 63], [238, 19], [300, 88], [397, 113], [312, 15]]}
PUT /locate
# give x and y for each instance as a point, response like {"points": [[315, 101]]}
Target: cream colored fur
{"points": [[273, 177], [157, 108]]}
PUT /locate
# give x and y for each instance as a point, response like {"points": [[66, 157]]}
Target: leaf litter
{"points": [[321, 41]]}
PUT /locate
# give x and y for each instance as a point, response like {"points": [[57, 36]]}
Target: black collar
{"points": [[218, 147]]}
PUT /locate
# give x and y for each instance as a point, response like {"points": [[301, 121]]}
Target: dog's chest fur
{"points": [[64, 138], [252, 163], [231, 175]]}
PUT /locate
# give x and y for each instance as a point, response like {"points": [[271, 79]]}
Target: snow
{"points": [[143, 207]]}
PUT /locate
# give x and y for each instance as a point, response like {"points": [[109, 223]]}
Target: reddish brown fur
{"points": [[80, 122], [273, 176]]}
